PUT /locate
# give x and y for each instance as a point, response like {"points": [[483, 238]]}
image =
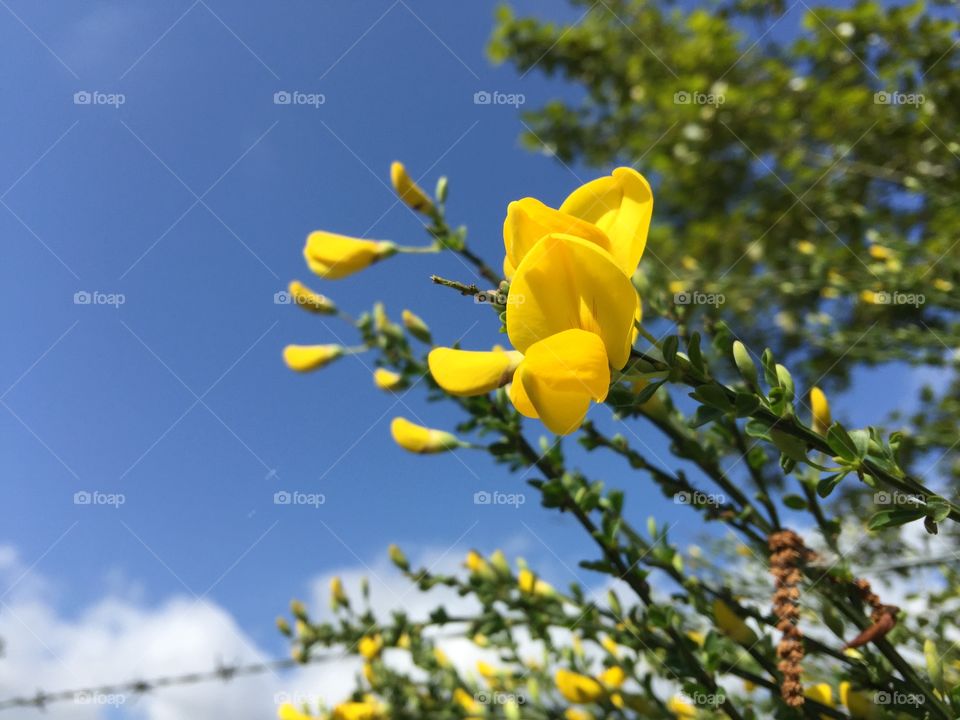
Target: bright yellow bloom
{"points": [[466, 372], [578, 688], [334, 256], [476, 564], [306, 298], [621, 205], [558, 378], [731, 624], [411, 193], [532, 585], [820, 407], [943, 285], [288, 711], [879, 252], [565, 283], [337, 596], [805, 247], [465, 700], [304, 358], [871, 297], [528, 220], [822, 693], [613, 677], [858, 703], [681, 708], [418, 439], [366, 710], [387, 379], [486, 670], [370, 646]]}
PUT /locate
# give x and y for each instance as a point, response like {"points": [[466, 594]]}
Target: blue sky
{"points": [[191, 199]]}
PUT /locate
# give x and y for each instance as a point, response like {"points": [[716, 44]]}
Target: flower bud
{"points": [[731, 624], [422, 440], [306, 298], [821, 410], [398, 558], [334, 256], [411, 193], [338, 598], [387, 379], [416, 326], [304, 358]]}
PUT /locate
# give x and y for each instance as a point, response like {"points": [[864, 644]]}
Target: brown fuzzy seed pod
{"points": [[786, 552]]}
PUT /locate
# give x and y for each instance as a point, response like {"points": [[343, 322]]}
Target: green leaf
{"points": [[894, 518], [748, 371], [712, 395], [842, 444], [704, 415], [693, 349], [669, 349], [938, 509], [827, 484], [795, 502], [745, 404]]}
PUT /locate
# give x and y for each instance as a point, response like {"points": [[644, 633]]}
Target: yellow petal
{"points": [[466, 372], [419, 439], [411, 193], [572, 361], [566, 283], [304, 358], [621, 205], [519, 397], [578, 688], [370, 647], [731, 624], [562, 412], [528, 220], [386, 379], [335, 256], [681, 708], [613, 677], [821, 692], [288, 711]]}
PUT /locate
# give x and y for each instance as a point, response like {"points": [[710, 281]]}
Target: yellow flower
{"points": [[368, 673], [731, 624], [306, 298], [403, 642], [465, 372], [416, 326], [411, 193], [288, 711], [532, 585], [387, 379], [334, 256], [577, 714], [566, 283], [366, 710], [337, 596], [871, 297], [441, 657], [879, 252], [621, 205], [465, 700], [613, 677], [418, 439], [943, 285], [610, 646], [696, 637], [578, 688], [370, 646], [486, 670], [822, 693], [858, 703], [681, 708], [805, 247], [477, 565], [820, 407], [558, 378], [304, 358]]}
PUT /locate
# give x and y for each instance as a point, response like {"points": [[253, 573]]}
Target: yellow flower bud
{"points": [[288, 711], [403, 642], [387, 379], [858, 703], [805, 247], [418, 439], [610, 646], [821, 410], [822, 693], [681, 708], [368, 673], [870, 297], [416, 326], [477, 565], [298, 609], [337, 596], [304, 358], [411, 193], [366, 710], [306, 298], [576, 714], [531, 585], [578, 688], [499, 561], [612, 677], [879, 252], [486, 670], [370, 646], [334, 256], [731, 624], [283, 626], [398, 558], [943, 285]]}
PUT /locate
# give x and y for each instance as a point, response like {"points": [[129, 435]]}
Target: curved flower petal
{"points": [[528, 220], [566, 283], [419, 439], [467, 372], [334, 256], [559, 377], [621, 205], [304, 358]]}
